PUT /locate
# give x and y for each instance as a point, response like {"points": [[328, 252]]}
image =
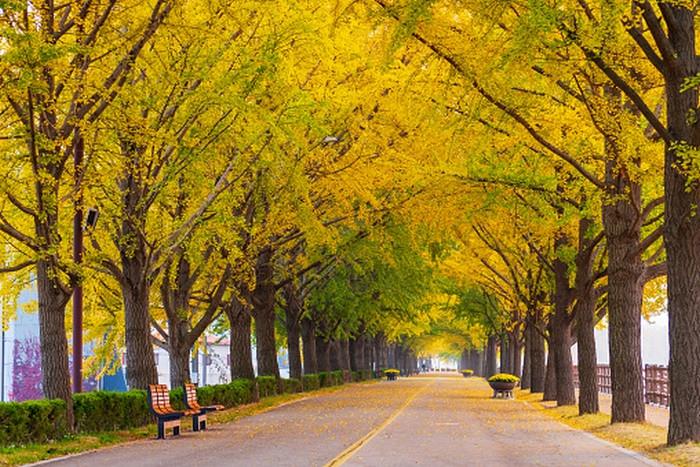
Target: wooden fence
{"points": [[656, 387]]}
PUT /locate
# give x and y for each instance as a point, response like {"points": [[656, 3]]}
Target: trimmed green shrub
{"points": [[290, 386], [237, 392], [356, 376], [32, 421], [267, 386], [338, 377], [367, 375], [107, 410], [310, 382]]}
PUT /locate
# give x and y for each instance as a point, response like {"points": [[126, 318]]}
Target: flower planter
{"points": [[502, 389]]}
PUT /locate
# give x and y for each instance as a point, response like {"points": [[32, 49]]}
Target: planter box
{"points": [[502, 389]]}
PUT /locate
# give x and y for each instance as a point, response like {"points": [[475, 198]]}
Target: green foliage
{"points": [[107, 410], [267, 386], [290, 386], [330, 378], [311, 382], [32, 421], [503, 378]]}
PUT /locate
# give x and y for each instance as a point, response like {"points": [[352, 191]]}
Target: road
{"points": [[430, 421]]}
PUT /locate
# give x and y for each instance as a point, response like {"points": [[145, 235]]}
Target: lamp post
{"points": [[78, 152]]}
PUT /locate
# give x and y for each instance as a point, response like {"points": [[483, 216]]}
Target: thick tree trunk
{"points": [[263, 298], [537, 356], [584, 312], [369, 352], [323, 354], [334, 355], [682, 228], [561, 329], [357, 352], [308, 336], [179, 353], [241, 352], [625, 288], [344, 347], [550, 380], [491, 358], [293, 311], [587, 360], [55, 374], [526, 380], [140, 361], [516, 354], [294, 350]]}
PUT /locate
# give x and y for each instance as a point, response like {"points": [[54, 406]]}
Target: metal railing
{"points": [[655, 380]]}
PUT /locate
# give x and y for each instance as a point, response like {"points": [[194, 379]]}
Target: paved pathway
{"points": [[416, 421]]}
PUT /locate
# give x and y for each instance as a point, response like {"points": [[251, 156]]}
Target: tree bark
{"points": [[550, 381], [323, 354], [308, 336], [584, 312], [293, 311], [537, 355], [516, 354], [55, 374], [241, 352], [263, 299], [526, 380], [140, 360], [682, 231], [491, 359], [561, 329]]}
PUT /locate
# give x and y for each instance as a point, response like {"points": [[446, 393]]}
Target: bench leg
{"points": [[199, 422], [161, 429], [176, 430]]}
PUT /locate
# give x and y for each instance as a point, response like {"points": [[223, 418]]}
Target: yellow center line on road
{"points": [[343, 457]]}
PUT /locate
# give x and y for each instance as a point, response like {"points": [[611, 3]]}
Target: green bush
{"points": [[267, 386], [310, 382], [32, 421], [503, 378], [367, 375], [237, 392], [107, 410], [290, 386], [338, 377]]}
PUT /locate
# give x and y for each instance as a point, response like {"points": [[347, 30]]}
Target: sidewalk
{"points": [[654, 414]]}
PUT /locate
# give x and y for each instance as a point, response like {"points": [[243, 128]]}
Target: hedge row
{"points": [[331, 378], [32, 421], [43, 420]]}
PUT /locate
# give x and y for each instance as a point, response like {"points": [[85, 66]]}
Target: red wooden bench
{"points": [[167, 417], [199, 417]]}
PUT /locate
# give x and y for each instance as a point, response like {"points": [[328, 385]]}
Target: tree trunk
{"points": [[526, 380], [537, 355], [179, 353], [241, 352], [550, 381], [293, 311], [621, 221], [587, 360], [369, 351], [140, 360], [516, 354], [308, 336], [357, 352], [323, 354], [55, 374], [491, 359], [561, 328], [584, 311], [263, 298]]}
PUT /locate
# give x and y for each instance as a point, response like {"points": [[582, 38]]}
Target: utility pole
{"points": [[78, 152]]}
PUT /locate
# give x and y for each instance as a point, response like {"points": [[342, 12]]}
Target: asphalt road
{"points": [[430, 421]]}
